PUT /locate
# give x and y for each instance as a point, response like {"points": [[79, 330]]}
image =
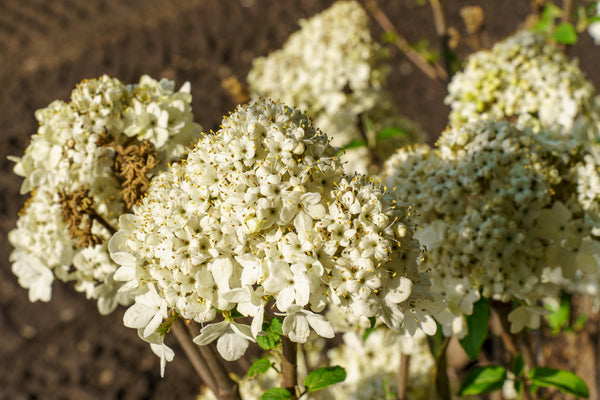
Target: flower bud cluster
{"points": [[500, 216], [260, 216], [331, 69], [76, 193], [530, 80]]}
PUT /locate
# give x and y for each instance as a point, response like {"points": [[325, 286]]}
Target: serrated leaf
{"points": [[323, 377], [272, 337], [259, 366], [561, 316], [478, 326], [390, 133], [276, 394], [566, 381], [565, 34], [482, 380], [354, 144]]}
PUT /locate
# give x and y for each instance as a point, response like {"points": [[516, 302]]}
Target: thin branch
{"points": [[442, 34], [510, 344], [191, 350], [567, 10], [371, 143], [94, 215], [289, 367], [403, 376], [227, 388], [435, 71]]}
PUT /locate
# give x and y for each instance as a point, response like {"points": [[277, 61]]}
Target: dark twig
{"points": [[435, 71], [191, 350], [227, 388], [442, 34]]}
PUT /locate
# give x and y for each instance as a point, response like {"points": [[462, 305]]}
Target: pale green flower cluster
{"points": [[500, 217], [331, 69], [261, 215], [73, 151], [529, 80]]}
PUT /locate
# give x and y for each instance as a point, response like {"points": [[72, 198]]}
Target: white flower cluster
{"points": [[527, 79], [73, 152], [500, 216], [261, 215], [330, 68]]}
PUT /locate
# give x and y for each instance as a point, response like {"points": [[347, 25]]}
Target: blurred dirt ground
{"points": [[64, 349]]}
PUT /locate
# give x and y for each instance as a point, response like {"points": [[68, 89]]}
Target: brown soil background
{"points": [[64, 349]]}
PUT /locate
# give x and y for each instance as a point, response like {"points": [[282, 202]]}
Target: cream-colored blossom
{"points": [[249, 211], [78, 166]]}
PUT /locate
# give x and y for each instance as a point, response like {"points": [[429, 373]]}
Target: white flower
{"points": [[525, 316], [297, 321], [233, 338], [147, 313], [33, 275], [158, 347]]}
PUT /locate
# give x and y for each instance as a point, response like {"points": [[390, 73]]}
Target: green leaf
{"points": [[355, 143], [276, 394], [477, 324], [546, 22], [481, 380], [566, 381], [260, 366], [565, 34], [561, 316], [371, 329], [272, 337], [518, 365], [323, 377], [390, 133]]}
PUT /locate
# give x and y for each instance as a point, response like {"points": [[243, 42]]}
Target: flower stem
{"points": [[442, 34], [227, 388], [403, 376], [510, 342], [191, 350], [435, 71], [289, 367]]}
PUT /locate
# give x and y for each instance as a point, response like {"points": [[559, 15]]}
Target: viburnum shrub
{"points": [[261, 242]]}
